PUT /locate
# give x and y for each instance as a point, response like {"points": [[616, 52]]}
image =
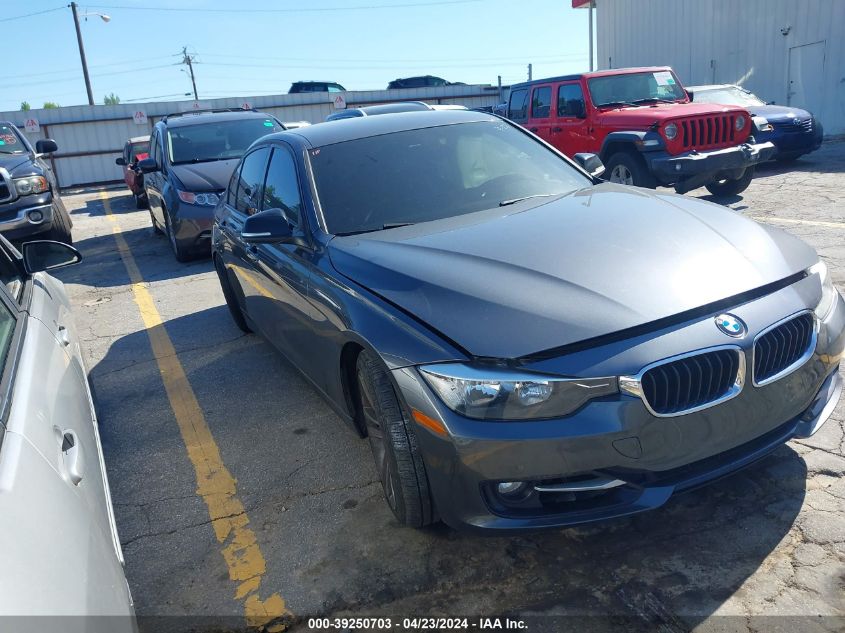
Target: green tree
{"points": [[25, 106], [111, 99], [51, 105]]}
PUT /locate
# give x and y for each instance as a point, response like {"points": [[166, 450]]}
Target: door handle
{"points": [[64, 337], [72, 457], [557, 129]]}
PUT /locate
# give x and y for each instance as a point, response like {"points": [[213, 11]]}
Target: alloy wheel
{"points": [[622, 175], [377, 437]]}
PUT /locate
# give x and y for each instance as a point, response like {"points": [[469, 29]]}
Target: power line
{"points": [[302, 10], [29, 15]]}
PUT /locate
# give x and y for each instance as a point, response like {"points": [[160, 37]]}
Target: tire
{"points": [[628, 168], [141, 201], [394, 445], [179, 252], [156, 228], [60, 231], [231, 300], [729, 187]]}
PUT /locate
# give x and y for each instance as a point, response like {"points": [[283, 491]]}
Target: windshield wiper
{"points": [[655, 99], [616, 103], [5, 151], [383, 227], [505, 203], [193, 161]]}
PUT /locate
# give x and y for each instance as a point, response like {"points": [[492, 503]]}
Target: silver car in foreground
{"points": [[60, 552]]}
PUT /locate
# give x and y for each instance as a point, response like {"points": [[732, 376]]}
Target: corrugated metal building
{"points": [[91, 137], [791, 52]]}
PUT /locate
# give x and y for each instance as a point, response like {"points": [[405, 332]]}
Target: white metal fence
{"points": [[91, 137]]}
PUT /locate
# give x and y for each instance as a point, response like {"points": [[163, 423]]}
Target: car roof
{"points": [[590, 75], [138, 139], [341, 130], [182, 119]]}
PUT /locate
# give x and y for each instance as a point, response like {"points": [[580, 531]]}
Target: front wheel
{"points": [[229, 295], [179, 251], [61, 231], [394, 444], [730, 187], [627, 168]]}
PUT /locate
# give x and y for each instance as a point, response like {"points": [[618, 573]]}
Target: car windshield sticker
{"points": [[268, 123], [8, 139], [664, 78]]}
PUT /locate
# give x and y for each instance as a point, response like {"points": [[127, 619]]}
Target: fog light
{"points": [[511, 488], [35, 216]]}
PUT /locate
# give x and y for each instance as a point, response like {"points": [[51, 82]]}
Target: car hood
{"points": [[651, 113], [212, 176], [12, 162], [779, 113], [508, 283]]}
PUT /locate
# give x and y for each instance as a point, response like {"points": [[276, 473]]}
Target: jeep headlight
{"points": [[494, 393], [829, 292], [30, 185], [671, 131], [739, 123]]}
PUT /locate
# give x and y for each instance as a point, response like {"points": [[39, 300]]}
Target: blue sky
{"points": [[248, 50]]}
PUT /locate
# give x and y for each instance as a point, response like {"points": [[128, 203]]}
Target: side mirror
{"points": [[45, 146], [266, 227], [590, 163], [148, 165], [47, 255], [120, 161]]}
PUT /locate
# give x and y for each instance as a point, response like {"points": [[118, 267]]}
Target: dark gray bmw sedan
{"points": [[523, 345]]}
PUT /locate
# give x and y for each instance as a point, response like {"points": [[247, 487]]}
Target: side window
{"points": [[232, 191], [281, 189], [541, 102], [10, 276], [570, 101], [250, 181], [517, 105], [154, 149]]}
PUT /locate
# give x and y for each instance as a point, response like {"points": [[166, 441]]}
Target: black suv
{"points": [[315, 86], [425, 81], [192, 156], [30, 205]]}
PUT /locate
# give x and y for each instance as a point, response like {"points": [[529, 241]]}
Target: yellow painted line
{"points": [[769, 218], [215, 483]]}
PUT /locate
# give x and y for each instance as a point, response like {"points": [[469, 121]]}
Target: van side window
{"points": [[541, 102], [517, 106], [570, 101]]}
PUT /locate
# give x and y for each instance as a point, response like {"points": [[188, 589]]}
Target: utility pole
{"points": [[82, 54], [590, 9], [187, 59], [529, 72]]}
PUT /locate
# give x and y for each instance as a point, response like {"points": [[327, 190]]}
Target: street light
{"points": [[104, 18]]}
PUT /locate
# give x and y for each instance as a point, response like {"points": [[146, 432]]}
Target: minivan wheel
{"points": [[729, 187], [180, 253], [627, 168], [394, 445], [229, 295], [156, 228]]}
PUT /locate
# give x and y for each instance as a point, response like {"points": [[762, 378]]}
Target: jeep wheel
{"points": [[729, 187], [393, 442], [627, 168]]}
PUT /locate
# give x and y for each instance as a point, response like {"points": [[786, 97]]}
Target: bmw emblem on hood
{"points": [[731, 325]]}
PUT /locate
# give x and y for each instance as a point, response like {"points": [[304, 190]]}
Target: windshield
{"points": [[220, 140], [634, 88], [140, 151], [439, 172], [10, 141], [727, 96]]}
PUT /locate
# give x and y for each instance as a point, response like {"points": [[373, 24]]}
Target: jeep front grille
{"points": [[689, 382], [783, 348], [708, 132]]}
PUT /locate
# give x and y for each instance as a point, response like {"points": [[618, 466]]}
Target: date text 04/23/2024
{"points": [[416, 624]]}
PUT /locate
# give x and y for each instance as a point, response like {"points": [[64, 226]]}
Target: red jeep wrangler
{"points": [[641, 123]]}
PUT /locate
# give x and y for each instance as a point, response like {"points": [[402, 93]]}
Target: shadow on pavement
{"points": [[330, 541]]}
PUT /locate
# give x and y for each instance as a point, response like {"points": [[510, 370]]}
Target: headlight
{"points": [[740, 122], [671, 131], [829, 292], [31, 184], [201, 199], [500, 394]]}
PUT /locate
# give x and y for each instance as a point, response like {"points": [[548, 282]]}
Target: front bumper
{"points": [[19, 219], [693, 169], [193, 227], [618, 439]]}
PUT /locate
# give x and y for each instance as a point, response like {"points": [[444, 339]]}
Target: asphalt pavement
{"points": [[242, 499]]}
